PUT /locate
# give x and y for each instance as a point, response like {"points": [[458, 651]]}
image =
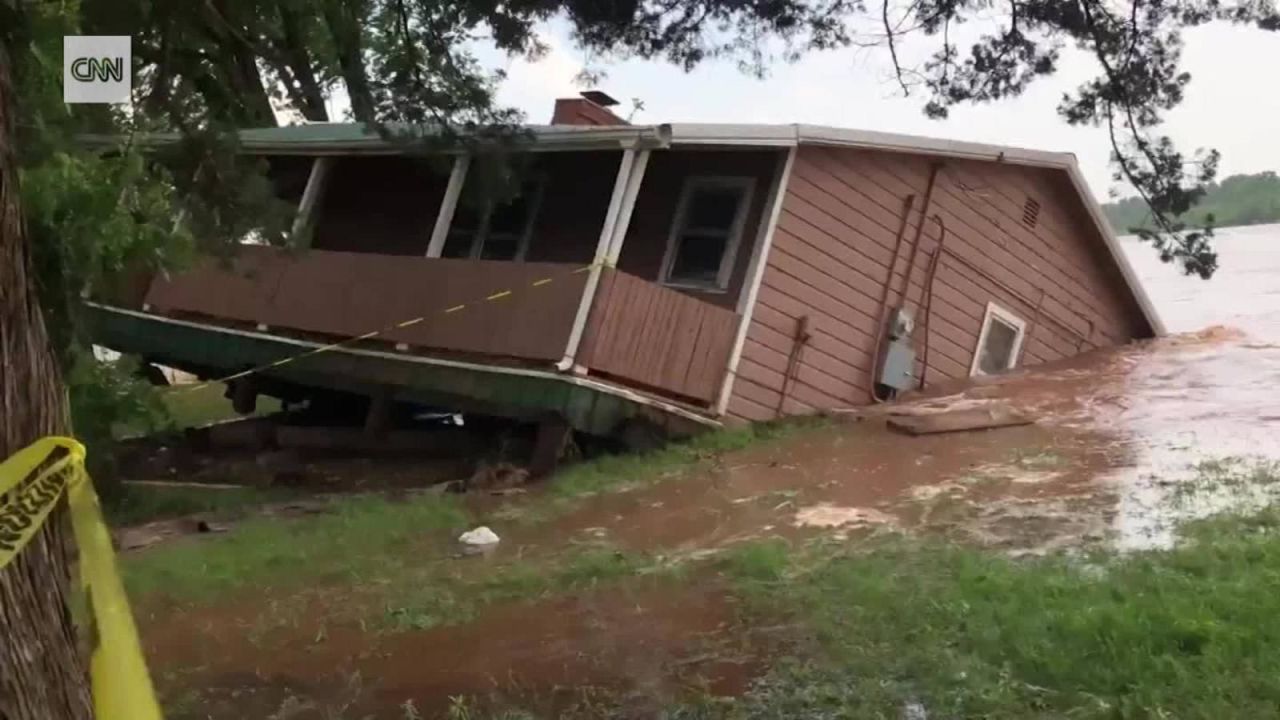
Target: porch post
{"points": [[616, 201], [755, 272], [311, 195], [628, 204], [448, 204]]}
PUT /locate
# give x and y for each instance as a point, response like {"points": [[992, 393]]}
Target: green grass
{"points": [[617, 472], [135, 504], [1185, 633], [192, 408], [397, 558], [898, 626], [1245, 478], [361, 536], [368, 532], [434, 596], [623, 472], [186, 407]]}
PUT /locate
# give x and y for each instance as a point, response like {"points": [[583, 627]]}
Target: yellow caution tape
{"points": [[31, 482]]}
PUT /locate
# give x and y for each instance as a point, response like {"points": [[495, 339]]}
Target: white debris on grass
{"points": [[479, 537]]}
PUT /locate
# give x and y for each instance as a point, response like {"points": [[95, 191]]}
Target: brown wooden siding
{"points": [[834, 244], [641, 332], [347, 294], [655, 209]]}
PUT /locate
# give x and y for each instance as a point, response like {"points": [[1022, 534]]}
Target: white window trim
{"points": [[1006, 316], [482, 232], [691, 184]]}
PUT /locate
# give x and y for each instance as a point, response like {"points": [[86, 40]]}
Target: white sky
{"points": [[1231, 103]]}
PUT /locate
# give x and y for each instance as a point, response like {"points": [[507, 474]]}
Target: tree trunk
{"points": [[344, 26], [42, 673], [294, 49], [236, 64]]}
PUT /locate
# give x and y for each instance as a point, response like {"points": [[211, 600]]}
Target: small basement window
{"points": [[999, 342], [706, 232]]}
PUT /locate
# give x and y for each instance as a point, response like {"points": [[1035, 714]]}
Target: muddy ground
{"points": [[1114, 434]]}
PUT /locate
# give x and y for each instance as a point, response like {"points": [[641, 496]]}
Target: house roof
{"points": [[356, 138]]}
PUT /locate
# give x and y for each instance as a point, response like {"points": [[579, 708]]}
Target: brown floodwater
{"points": [[1210, 397], [1116, 454]]}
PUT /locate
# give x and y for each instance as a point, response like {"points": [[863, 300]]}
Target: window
{"points": [[999, 342], [705, 234], [498, 231]]}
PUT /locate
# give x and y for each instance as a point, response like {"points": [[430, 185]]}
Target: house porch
{"points": [[625, 268]]}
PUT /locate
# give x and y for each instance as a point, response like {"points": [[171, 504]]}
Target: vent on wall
{"points": [[1030, 212]]}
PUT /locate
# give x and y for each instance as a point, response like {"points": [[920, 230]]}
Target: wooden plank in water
{"points": [[958, 420]]}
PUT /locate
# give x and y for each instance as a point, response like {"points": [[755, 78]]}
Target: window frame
{"points": [[481, 235], [746, 186], [1006, 316]]}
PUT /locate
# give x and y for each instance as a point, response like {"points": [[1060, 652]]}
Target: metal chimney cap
{"points": [[599, 97]]}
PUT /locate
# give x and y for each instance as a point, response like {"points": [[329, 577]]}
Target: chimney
{"points": [[590, 109]]}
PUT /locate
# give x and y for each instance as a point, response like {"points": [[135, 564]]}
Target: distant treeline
{"points": [[1237, 200]]}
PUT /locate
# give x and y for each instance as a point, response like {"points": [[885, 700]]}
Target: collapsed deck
{"points": [[463, 335]]}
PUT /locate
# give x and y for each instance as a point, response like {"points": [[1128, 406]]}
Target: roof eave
{"points": [[542, 138]]}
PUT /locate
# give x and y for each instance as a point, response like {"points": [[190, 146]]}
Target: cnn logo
{"points": [[97, 68]]}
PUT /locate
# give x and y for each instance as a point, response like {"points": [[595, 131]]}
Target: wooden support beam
{"points": [[310, 202], [553, 435], [378, 420], [448, 205], [244, 395]]}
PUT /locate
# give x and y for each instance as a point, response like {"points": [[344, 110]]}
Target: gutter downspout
{"points": [[906, 279], [881, 313], [929, 276], [915, 241]]}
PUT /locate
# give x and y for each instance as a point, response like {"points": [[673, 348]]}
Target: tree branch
{"points": [[893, 48]]}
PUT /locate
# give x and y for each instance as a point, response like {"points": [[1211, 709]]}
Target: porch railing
{"points": [[349, 294], [638, 333], [646, 334]]}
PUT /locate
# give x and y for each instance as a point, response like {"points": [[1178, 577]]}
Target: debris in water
{"points": [[987, 418], [829, 516]]}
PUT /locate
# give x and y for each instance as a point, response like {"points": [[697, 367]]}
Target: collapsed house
{"points": [[679, 275]]}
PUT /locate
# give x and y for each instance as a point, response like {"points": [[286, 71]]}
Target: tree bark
{"points": [[236, 63], [293, 47], [344, 26], [42, 672]]}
